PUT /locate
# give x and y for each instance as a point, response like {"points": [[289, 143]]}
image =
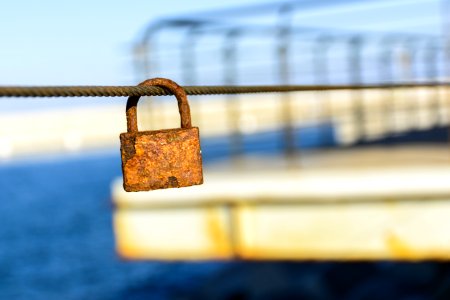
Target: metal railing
{"points": [[224, 47]]}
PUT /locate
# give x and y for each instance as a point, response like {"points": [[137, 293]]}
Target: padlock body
{"points": [[161, 159]]}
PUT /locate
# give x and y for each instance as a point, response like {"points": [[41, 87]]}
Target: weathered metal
{"points": [[122, 91], [163, 158]]}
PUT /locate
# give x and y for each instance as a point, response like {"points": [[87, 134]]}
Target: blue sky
{"points": [[86, 42], [83, 42]]}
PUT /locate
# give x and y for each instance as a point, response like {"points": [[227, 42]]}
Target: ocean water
{"points": [[56, 235], [56, 242]]}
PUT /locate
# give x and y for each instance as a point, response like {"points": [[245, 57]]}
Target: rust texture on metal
{"points": [[163, 158]]}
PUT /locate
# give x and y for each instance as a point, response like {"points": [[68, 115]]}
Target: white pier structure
{"points": [[340, 205]]}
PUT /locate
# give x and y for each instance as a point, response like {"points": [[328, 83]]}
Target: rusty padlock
{"points": [[163, 158]]}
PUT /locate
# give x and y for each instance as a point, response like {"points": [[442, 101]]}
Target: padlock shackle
{"points": [[178, 91]]}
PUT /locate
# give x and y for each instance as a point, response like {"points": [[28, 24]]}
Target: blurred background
{"points": [[356, 180]]}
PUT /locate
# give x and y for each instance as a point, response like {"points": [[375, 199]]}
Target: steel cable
{"points": [[123, 91]]}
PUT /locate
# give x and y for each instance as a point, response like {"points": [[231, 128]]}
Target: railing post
{"points": [[283, 49], [355, 56], [230, 63]]}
